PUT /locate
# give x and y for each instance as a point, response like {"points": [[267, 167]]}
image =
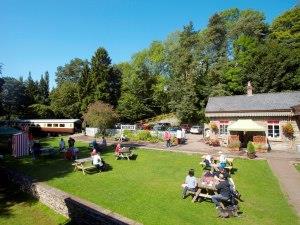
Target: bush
{"points": [[250, 147], [288, 130], [144, 135], [214, 127]]}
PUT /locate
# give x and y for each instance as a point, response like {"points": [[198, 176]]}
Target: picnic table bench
{"points": [[80, 164], [125, 153]]}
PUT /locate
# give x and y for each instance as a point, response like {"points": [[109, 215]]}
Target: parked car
{"points": [[187, 127], [173, 130], [197, 129], [164, 124], [158, 127]]}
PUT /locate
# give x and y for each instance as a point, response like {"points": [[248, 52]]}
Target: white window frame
{"points": [[223, 128], [273, 124]]}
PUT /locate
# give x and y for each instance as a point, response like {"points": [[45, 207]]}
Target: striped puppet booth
{"points": [[20, 144]]}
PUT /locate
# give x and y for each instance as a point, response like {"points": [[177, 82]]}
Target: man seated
{"points": [[97, 161], [223, 189], [189, 184], [103, 143]]}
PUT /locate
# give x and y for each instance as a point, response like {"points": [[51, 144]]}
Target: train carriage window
{"points": [[49, 125], [61, 125], [55, 125]]}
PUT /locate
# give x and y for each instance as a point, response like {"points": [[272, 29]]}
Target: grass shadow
{"points": [[10, 196]]}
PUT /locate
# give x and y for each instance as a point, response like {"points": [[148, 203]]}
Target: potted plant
{"points": [[288, 130], [251, 150], [234, 145], [214, 127], [259, 147]]}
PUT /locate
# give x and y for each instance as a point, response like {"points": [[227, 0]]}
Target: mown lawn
{"points": [[148, 189], [297, 166], [19, 208]]}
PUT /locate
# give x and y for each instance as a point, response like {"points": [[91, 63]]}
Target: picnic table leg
{"points": [[196, 195]]}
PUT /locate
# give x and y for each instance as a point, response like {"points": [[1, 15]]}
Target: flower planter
{"points": [[234, 149], [251, 155], [260, 150]]}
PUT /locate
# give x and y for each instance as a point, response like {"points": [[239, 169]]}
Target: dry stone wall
{"points": [[78, 210]]}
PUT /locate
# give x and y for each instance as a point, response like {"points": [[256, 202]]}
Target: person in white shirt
{"points": [[97, 161], [178, 136], [189, 184]]}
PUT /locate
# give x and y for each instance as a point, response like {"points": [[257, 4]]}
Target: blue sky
{"points": [[40, 35]]}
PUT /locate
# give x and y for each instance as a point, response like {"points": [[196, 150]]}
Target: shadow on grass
{"points": [[46, 168], [10, 196]]}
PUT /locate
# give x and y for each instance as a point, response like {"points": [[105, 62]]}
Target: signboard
{"points": [[128, 127]]}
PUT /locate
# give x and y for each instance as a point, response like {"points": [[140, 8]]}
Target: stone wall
{"points": [[78, 210]]}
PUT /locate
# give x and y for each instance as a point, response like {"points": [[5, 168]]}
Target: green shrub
{"points": [[144, 135], [129, 134], [250, 147]]}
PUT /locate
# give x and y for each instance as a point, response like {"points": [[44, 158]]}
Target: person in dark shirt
{"points": [[224, 190]]}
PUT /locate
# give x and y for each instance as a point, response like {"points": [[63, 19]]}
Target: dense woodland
{"points": [[176, 75]]}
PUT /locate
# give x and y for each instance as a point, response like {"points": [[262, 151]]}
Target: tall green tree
{"points": [[71, 71], [13, 97], [65, 101], [100, 72]]}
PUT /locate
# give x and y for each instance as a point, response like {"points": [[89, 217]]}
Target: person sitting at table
{"points": [[103, 143], [93, 152], [217, 172], [208, 160], [189, 184], [223, 188], [222, 160], [97, 161], [62, 145]]}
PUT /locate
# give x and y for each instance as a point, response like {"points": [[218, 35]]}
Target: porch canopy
{"points": [[245, 125]]}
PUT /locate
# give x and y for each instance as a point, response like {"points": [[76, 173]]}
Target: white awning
{"points": [[245, 125]]}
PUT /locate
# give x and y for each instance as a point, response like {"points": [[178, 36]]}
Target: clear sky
{"points": [[39, 35]]}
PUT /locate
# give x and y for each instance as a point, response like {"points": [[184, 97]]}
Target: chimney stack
{"points": [[249, 89]]}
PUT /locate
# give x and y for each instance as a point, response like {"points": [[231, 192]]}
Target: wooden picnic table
{"points": [[79, 164], [204, 190], [124, 153]]}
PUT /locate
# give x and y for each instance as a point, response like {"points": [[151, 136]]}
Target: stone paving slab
{"points": [[289, 179]]}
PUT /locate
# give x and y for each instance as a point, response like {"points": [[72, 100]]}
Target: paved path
{"points": [[289, 179]]}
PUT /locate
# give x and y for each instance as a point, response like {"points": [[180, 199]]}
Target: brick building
{"points": [[269, 110]]}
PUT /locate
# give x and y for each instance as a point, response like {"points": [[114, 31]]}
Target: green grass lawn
{"points": [[148, 189], [297, 166], [19, 208]]}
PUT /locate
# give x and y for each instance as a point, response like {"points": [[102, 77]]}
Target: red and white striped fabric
{"points": [[20, 144]]}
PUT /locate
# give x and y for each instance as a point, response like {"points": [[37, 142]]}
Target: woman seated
{"points": [[97, 161], [222, 160]]}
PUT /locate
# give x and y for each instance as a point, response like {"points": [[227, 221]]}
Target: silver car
{"points": [[196, 130]]}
